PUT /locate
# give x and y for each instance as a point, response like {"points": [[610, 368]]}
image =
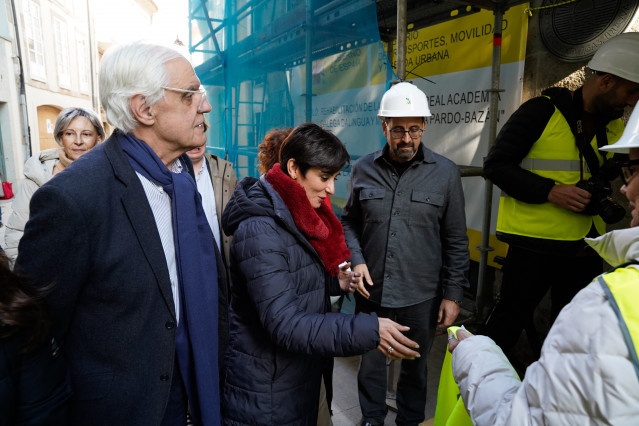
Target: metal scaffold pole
{"points": [[488, 186], [401, 39], [309, 60]]}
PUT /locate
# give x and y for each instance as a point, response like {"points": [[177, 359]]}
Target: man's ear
{"points": [[606, 82], [142, 112]]}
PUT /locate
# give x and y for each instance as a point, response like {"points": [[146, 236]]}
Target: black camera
{"points": [[599, 186]]}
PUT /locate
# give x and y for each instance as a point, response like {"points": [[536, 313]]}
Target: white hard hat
{"points": [[630, 137], [618, 56], [404, 100]]}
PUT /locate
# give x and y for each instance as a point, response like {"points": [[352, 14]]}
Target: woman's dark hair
{"points": [[311, 146], [22, 309], [269, 150]]}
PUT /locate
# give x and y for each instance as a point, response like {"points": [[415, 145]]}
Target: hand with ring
{"points": [[392, 342]]}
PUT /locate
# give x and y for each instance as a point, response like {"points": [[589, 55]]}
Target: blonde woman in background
{"points": [[76, 130]]}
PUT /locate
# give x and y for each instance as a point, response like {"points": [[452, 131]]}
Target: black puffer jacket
{"points": [[280, 331]]}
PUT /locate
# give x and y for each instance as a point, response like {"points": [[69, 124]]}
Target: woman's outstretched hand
{"points": [[393, 344]]}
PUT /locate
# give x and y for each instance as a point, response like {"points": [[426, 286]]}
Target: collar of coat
{"points": [[320, 226], [617, 247]]}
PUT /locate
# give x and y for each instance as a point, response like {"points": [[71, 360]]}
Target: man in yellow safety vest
{"points": [[555, 183], [588, 371]]}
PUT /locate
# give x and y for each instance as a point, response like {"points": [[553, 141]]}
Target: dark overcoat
{"points": [[92, 235]]}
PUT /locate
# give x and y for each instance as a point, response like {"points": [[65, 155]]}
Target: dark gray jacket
{"points": [[410, 230]]}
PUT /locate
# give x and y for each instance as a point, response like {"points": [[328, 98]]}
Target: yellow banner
{"points": [[464, 43]]}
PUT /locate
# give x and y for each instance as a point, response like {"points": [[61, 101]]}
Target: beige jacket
{"points": [[37, 171], [224, 181]]}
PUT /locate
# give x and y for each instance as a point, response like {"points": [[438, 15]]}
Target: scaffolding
{"points": [[261, 62]]}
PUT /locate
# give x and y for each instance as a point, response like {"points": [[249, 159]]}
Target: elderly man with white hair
{"points": [[123, 241]]}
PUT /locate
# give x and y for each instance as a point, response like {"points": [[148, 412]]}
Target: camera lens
{"points": [[610, 211]]}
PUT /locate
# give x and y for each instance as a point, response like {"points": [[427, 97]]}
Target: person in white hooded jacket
{"points": [[76, 130], [588, 372]]}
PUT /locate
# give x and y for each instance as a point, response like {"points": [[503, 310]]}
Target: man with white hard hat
{"points": [[588, 371], [405, 225], [554, 180]]}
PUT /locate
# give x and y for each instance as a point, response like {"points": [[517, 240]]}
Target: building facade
{"points": [[49, 60]]}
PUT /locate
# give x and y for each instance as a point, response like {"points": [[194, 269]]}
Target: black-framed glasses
{"points": [[628, 170], [201, 90], [414, 132]]}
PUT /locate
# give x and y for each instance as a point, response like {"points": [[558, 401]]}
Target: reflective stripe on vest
{"points": [[554, 156], [622, 288], [552, 165]]}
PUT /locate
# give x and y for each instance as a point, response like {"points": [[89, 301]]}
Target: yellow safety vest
{"points": [[555, 156], [622, 287]]}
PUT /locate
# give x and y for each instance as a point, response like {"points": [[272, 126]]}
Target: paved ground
{"points": [[346, 410]]}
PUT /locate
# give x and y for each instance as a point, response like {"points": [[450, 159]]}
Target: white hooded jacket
{"points": [[37, 171], [584, 376]]}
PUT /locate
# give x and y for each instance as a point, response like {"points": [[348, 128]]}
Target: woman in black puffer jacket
{"points": [[287, 245]]}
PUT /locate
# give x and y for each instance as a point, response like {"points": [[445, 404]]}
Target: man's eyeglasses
{"points": [[188, 99], [414, 132], [628, 169]]}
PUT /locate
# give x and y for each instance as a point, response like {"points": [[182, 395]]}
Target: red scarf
{"points": [[320, 226]]}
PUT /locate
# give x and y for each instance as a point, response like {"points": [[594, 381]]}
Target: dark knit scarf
{"points": [[196, 343], [320, 226]]}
